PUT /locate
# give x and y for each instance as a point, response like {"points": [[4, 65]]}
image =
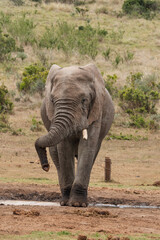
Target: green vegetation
{"points": [[29, 180], [38, 1], [69, 38], [22, 29], [110, 82], [6, 105], [138, 98], [17, 2], [144, 8], [36, 125], [7, 46], [33, 80], [122, 136], [116, 57], [106, 54], [65, 235], [4, 123]]}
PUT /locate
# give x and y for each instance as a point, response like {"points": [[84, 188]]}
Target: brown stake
{"points": [[107, 169]]}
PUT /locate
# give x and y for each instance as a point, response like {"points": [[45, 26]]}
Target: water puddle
{"points": [[28, 203], [56, 204], [101, 205]]}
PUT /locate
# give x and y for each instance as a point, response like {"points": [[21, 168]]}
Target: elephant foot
{"points": [[65, 196], [78, 196]]}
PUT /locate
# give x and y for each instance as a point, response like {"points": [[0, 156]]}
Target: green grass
{"points": [[65, 235], [115, 185], [41, 235], [46, 181]]}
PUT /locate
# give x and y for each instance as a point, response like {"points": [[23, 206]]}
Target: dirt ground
{"points": [[135, 168], [25, 219]]}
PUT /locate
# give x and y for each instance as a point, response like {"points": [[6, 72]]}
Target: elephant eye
{"points": [[83, 100], [52, 100]]}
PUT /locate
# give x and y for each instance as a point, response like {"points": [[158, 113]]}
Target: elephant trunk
{"points": [[61, 127]]}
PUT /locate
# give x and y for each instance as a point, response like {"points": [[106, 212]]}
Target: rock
{"points": [[80, 237]]}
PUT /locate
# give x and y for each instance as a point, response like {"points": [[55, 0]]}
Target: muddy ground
{"points": [[25, 219]]}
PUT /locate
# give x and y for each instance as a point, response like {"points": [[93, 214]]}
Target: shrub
{"points": [[5, 103], [118, 60], [4, 19], [4, 124], [110, 84], [7, 45], [21, 55], [22, 29], [6, 127], [102, 10], [33, 80], [144, 8], [122, 136], [128, 56], [139, 97], [106, 54], [36, 125], [68, 38]]}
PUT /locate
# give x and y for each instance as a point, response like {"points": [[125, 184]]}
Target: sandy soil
{"points": [[25, 219], [135, 167]]}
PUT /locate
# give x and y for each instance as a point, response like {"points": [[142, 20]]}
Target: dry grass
{"points": [[58, 7], [132, 162]]}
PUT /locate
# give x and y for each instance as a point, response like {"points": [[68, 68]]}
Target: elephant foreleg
{"points": [[87, 152], [66, 153]]}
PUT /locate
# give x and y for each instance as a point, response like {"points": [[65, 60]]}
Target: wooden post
{"points": [[107, 169]]}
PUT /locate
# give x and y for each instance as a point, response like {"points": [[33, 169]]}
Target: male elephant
{"points": [[77, 112]]}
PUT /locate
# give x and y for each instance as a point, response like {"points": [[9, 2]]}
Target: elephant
{"points": [[77, 112]]}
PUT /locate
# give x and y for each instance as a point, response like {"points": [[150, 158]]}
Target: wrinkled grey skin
{"points": [[75, 99]]}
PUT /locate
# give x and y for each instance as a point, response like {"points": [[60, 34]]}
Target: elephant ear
{"points": [[95, 112], [48, 88]]}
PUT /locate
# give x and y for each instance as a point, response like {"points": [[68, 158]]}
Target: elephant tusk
{"points": [[85, 134]]}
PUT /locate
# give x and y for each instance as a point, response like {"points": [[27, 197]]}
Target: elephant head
{"points": [[72, 104]]}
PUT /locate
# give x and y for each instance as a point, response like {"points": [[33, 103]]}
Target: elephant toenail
{"points": [[76, 204], [84, 205], [62, 203]]}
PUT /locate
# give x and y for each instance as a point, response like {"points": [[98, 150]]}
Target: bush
{"points": [[139, 97], [36, 125], [102, 10], [22, 29], [68, 38], [7, 45], [33, 80], [4, 19], [6, 105], [4, 124], [144, 8], [106, 54], [123, 136], [110, 85]]}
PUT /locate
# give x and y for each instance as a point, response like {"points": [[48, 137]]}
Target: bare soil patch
{"points": [[25, 219]]}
